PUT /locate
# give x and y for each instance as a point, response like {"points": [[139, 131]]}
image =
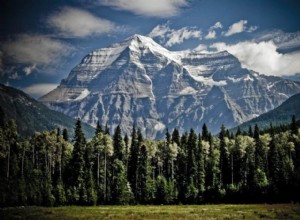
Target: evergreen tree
{"points": [[250, 132], [98, 128], [106, 130], [65, 135], [143, 174], [133, 161], [76, 166], [274, 161], [224, 158], [205, 133], [119, 145], [238, 132], [294, 126], [176, 137]]}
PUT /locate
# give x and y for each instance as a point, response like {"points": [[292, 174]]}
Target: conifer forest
{"points": [[53, 169]]}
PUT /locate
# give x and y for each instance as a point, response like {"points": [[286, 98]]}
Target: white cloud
{"points": [[217, 25], [73, 22], [38, 90], [211, 35], [160, 31], [171, 37], [28, 69], [200, 47], [263, 57], [178, 36], [35, 49], [153, 8], [239, 27]]}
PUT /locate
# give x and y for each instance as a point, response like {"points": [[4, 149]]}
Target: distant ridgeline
{"points": [[47, 169], [32, 116], [279, 116]]}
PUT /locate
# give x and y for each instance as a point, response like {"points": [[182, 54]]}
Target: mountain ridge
{"points": [[281, 115], [32, 116], [138, 82]]}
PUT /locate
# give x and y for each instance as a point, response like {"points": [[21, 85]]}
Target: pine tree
{"points": [[143, 174], [250, 132], [133, 160], [294, 126], [98, 128], [274, 161], [176, 137], [205, 133], [126, 159], [106, 130], [259, 153], [119, 145], [238, 132], [224, 159], [76, 166], [65, 135]]}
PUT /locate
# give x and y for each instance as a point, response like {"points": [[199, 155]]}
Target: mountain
{"points": [[138, 82], [278, 116], [31, 115]]}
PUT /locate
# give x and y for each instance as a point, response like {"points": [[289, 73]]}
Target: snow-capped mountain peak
{"points": [[139, 82]]}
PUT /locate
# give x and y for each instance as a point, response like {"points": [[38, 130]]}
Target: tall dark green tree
{"points": [[205, 133], [224, 158], [133, 161], [294, 126], [119, 145], [76, 166], [98, 128]]}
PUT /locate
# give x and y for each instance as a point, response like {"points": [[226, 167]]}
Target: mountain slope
{"points": [[278, 116], [138, 82], [31, 115]]}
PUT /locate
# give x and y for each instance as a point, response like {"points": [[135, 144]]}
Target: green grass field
{"points": [[262, 211]]}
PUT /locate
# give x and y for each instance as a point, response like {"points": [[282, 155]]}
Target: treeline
{"points": [[48, 169]]}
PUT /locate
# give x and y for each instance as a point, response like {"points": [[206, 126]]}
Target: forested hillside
{"points": [[47, 169], [278, 116], [31, 115]]}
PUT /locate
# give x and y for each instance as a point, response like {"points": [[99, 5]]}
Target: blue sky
{"points": [[41, 41]]}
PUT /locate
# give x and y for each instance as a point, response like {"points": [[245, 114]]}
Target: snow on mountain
{"points": [[139, 82]]}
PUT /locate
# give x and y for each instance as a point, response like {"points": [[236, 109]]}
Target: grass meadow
{"points": [[253, 211]]}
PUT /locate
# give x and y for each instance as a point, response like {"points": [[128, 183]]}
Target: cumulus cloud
{"points": [[35, 50], [38, 90], [211, 35], [263, 57], [178, 36], [200, 47], [73, 22], [239, 27], [28, 69], [153, 8], [161, 31], [217, 25], [170, 37]]}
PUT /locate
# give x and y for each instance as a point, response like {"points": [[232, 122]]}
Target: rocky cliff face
{"points": [[139, 82]]}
